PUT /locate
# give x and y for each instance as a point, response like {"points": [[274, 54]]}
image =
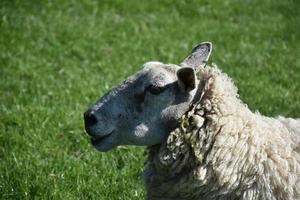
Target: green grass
{"points": [[57, 57]]}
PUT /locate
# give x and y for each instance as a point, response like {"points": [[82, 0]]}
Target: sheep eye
{"points": [[155, 89]]}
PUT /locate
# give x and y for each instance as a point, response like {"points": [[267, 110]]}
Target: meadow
{"points": [[57, 57]]}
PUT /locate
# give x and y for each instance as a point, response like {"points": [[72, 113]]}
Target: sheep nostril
{"points": [[90, 118]]}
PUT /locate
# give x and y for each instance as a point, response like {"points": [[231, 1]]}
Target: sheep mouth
{"points": [[97, 140]]}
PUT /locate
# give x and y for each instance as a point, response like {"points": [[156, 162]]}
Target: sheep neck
{"points": [[184, 157]]}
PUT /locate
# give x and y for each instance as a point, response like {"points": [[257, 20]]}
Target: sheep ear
{"points": [[186, 78], [199, 56]]}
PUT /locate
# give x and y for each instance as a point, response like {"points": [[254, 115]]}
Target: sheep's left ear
{"points": [[186, 79], [199, 56]]}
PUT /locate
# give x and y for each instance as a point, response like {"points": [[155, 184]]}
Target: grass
{"points": [[57, 57]]}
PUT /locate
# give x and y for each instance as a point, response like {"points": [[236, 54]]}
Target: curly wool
{"points": [[224, 151]]}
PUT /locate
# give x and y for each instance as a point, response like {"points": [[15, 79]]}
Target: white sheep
{"points": [[203, 141]]}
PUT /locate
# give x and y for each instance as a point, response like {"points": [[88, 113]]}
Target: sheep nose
{"points": [[90, 119]]}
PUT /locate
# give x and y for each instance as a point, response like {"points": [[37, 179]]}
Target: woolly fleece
{"points": [[222, 150]]}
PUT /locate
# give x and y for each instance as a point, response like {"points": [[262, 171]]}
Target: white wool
{"points": [[224, 151]]}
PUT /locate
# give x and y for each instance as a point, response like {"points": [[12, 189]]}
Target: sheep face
{"points": [[147, 106]]}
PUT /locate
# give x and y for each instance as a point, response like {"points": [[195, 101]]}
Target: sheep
{"points": [[202, 141]]}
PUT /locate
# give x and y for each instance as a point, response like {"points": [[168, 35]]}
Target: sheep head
{"points": [[147, 106]]}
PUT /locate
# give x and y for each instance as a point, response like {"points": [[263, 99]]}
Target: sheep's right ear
{"points": [[186, 79], [199, 56]]}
